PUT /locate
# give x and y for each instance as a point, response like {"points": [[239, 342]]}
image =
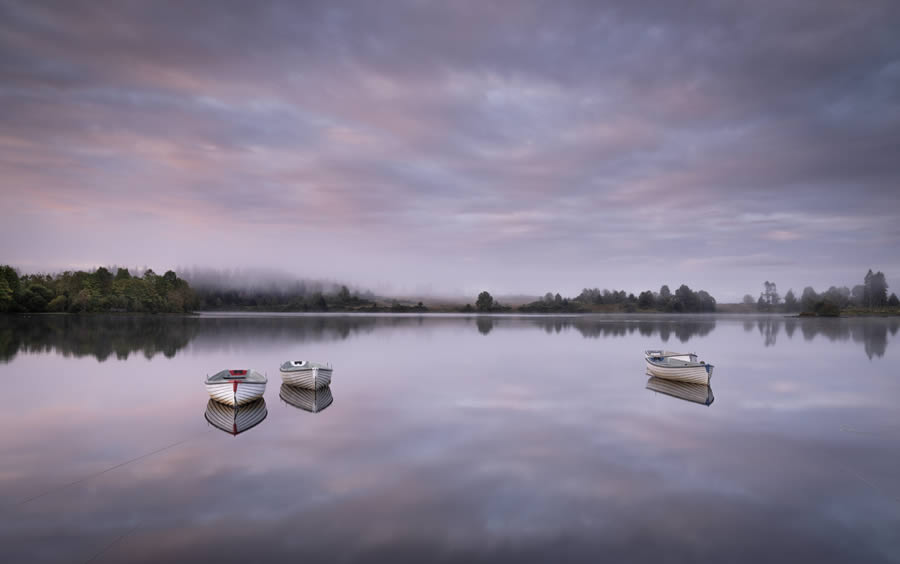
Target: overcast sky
{"points": [[455, 146]]}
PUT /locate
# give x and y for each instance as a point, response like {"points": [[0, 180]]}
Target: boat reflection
{"points": [[312, 401], [236, 420], [696, 393]]}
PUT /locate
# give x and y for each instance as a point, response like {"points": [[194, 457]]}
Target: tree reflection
{"points": [[601, 327], [871, 333], [768, 328], [97, 336], [120, 336], [485, 325]]}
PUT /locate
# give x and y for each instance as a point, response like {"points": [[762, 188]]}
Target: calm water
{"points": [[451, 439]]}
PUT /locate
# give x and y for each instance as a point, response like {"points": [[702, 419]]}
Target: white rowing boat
{"points": [[312, 401], [306, 374], [682, 367], [236, 387], [236, 420], [697, 393]]}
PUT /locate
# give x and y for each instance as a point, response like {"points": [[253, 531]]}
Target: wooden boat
{"points": [[306, 374], [312, 401], [682, 367], [697, 393], [236, 387], [236, 420]]}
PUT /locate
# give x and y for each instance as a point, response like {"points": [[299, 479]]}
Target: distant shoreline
{"points": [[431, 313]]}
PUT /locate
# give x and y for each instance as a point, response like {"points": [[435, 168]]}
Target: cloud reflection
{"points": [[454, 446]]}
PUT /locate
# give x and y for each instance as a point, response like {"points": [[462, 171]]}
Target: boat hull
{"points": [[314, 378], [235, 393], [693, 374]]}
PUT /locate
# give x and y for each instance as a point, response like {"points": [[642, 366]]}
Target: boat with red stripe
{"points": [[236, 386]]}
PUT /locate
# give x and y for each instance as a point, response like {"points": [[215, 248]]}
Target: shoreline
{"points": [[463, 314]]}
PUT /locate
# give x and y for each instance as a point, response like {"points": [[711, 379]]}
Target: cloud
{"points": [[782, 235], [576, 135]]}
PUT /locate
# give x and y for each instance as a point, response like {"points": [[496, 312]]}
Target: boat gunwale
{"points": [[252, 377], [307, 366], [665, 354], [676, 363]]}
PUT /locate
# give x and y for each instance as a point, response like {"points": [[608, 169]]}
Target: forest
{"points": [[98, 291], [101, 291], [683, 300], [869, 297]]}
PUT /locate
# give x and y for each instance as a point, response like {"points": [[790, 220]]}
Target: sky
{"points": [[449, 147]]}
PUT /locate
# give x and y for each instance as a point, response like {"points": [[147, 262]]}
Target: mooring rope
{"points": [[110, 545], [110, 469], [877, 431]]}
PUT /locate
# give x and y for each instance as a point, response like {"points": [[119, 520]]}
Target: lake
{"points": [[451, 438]]}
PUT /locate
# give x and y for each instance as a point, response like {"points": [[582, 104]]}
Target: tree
{"points": [[82, 302], [790, 301], [646, 300], [548, 297], [878, 290], [45, 293], [343, 294], [770, 295], [858, 295], [826, 308], [893, 301], [705, 301], [11, 276], [104, 279], [809, 299], [6, 295], [748, 300], [665, 296], [57, 304], [837, 296], [687, 297], [170, 277], [874, 289], [485, 301], [33, 301], [122, 274]]}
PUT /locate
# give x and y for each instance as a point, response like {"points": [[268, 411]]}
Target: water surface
{"points": [[469, 439]]}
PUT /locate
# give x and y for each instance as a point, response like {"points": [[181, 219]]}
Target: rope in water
{"points": [[110, 545], [110, 469], [876, 431]]}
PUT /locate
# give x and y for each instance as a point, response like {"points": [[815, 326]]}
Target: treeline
{"points": [[299, 297], [485, 303], [683, 300], [271, 290], [871, 295], [97, 291], [279, 291]]}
